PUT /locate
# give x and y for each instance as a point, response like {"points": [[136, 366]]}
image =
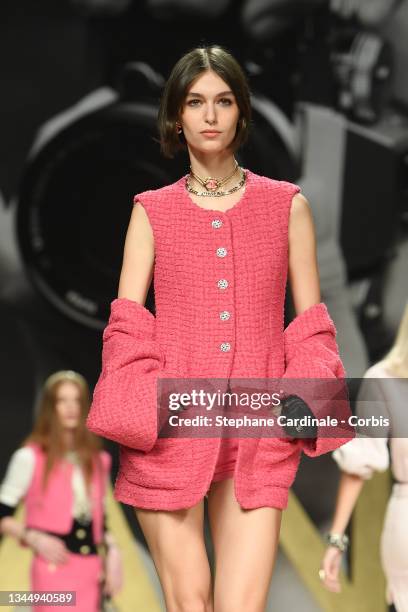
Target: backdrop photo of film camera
{"points": [[74, 200]]}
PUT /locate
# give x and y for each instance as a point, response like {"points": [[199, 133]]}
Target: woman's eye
{"points": [[223, 100]]}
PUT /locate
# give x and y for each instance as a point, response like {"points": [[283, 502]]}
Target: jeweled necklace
{"points": [[213, 185]]}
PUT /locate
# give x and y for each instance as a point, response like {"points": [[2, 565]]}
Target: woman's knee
{"points": [[190, 602], [187, 587]]}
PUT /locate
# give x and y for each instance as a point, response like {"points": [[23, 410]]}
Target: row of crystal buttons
{"points": [[222, 284]]}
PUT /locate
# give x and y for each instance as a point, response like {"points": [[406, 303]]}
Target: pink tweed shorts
{"points": [[226, 459]]}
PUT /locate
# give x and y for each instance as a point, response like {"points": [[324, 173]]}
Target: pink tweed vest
{"points": [[219, 286], [51, 509]]}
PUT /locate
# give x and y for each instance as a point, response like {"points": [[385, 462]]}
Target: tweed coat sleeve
{"points": [[311, 352], [124, 403]]}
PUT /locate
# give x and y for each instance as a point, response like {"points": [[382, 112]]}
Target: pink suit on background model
{"points": [[219, 284], [51, 510]]}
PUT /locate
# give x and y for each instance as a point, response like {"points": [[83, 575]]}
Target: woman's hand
{"points": [[50, 547], [113, 571], [331, 565]]}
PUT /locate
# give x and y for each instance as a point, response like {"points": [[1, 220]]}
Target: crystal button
{"points": [[222, 283], [225, 346], [216, 223], [221, 252]]}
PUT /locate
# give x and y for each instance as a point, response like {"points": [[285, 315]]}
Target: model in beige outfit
{"points": [[362, 456]]}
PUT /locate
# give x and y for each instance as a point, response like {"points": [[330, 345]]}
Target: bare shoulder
{"points": [[300, 205], [139, 218], [138, 256], [301, 215], [139, 228], [147, 203]]}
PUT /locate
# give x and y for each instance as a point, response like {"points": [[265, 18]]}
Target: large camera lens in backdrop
{"points": [[76, 194]]}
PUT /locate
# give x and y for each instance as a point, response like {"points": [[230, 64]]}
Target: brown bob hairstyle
{"points": [[186, 70]]}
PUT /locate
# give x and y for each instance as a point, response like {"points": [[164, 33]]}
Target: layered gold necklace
{"points": [[213, 186]]}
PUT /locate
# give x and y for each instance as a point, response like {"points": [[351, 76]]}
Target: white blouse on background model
{"points": [[365, 455], [20, 472]]}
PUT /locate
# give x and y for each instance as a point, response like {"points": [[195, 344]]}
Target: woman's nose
{"points": [[210, 113]]}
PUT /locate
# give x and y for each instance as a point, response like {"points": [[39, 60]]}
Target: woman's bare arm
{"points": [[303, 272], [49, 546], [350, 486], [349, 489], [138, 257], [11, 527], [305, 284]]}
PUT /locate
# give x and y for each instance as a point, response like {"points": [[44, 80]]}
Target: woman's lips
{"points": [[210, 134]]}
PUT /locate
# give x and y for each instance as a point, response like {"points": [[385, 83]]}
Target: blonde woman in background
{"points": [[359, 458], [60, 472]]}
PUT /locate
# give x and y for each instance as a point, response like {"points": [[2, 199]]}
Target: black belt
{"points": [[80, 538]]}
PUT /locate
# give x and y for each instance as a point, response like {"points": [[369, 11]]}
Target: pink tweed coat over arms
{"points": [[219, 285]]}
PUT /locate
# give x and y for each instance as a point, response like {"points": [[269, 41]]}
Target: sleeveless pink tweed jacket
{"points": [[51, 510], [219, 284]]}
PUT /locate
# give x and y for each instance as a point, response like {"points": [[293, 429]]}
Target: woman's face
{"points": [[68, 405], [209, 105]]}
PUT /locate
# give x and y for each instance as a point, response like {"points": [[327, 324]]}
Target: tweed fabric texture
{"points": [[311, 352], [219, 285], [125, 397]]}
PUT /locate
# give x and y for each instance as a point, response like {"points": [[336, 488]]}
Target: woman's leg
{"points": [[176, 543], [245, 547]]}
